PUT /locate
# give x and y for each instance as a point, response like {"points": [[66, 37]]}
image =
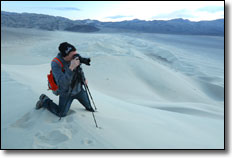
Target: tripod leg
{"points": [[95, 120], [86, 87]]}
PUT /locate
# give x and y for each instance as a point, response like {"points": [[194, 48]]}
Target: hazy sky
{"points": [[121, 10]]}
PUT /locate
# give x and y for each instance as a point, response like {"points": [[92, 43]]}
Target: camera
{"points": [[85, 61]]}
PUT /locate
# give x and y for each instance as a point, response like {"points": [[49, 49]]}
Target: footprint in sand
{"points": [[50, 118], [69, 119], [51, 139], [71, 128], [87, 141], [25, 121]]}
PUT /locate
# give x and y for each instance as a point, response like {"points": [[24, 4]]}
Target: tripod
{"points": [[79, 75]]}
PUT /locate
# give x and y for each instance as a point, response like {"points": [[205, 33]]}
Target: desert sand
{"points": [[152, 91]]}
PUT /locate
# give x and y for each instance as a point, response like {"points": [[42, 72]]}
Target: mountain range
{"points": [[51, 23]]}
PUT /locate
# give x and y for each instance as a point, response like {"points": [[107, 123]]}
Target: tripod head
{"points": [[78, 76]]}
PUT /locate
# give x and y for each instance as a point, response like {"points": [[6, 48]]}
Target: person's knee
{"points": [[63, 115], [90, 109]]}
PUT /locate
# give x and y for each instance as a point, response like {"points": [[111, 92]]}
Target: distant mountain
{"points": [[82, 28], [40, 21], [174, 26]]}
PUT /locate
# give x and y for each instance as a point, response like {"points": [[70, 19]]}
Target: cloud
{"points": [[183, 13], [118, 17], [211, 9], [58, 8], [64, 8]]}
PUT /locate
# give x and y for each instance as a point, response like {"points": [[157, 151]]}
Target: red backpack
{"points": [[51, 80]]}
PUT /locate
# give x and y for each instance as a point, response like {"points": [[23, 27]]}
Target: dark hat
{"points": [[65, 48]]}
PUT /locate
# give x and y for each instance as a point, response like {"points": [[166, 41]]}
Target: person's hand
{"points": [[86, 81], [74, 63]]}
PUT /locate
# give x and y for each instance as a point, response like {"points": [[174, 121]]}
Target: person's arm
{"points": [[86, 81], [63, 79]]}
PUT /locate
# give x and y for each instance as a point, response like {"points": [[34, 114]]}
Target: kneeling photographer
{"points": [[66, 79]]}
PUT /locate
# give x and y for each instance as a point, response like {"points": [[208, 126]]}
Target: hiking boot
{"points": [[43, 97], [39, 105]]}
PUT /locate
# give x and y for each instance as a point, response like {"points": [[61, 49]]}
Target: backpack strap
{"points": [[59, 63]]}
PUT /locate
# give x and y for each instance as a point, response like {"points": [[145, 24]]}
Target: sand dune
{"points": [[150, 92]]}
